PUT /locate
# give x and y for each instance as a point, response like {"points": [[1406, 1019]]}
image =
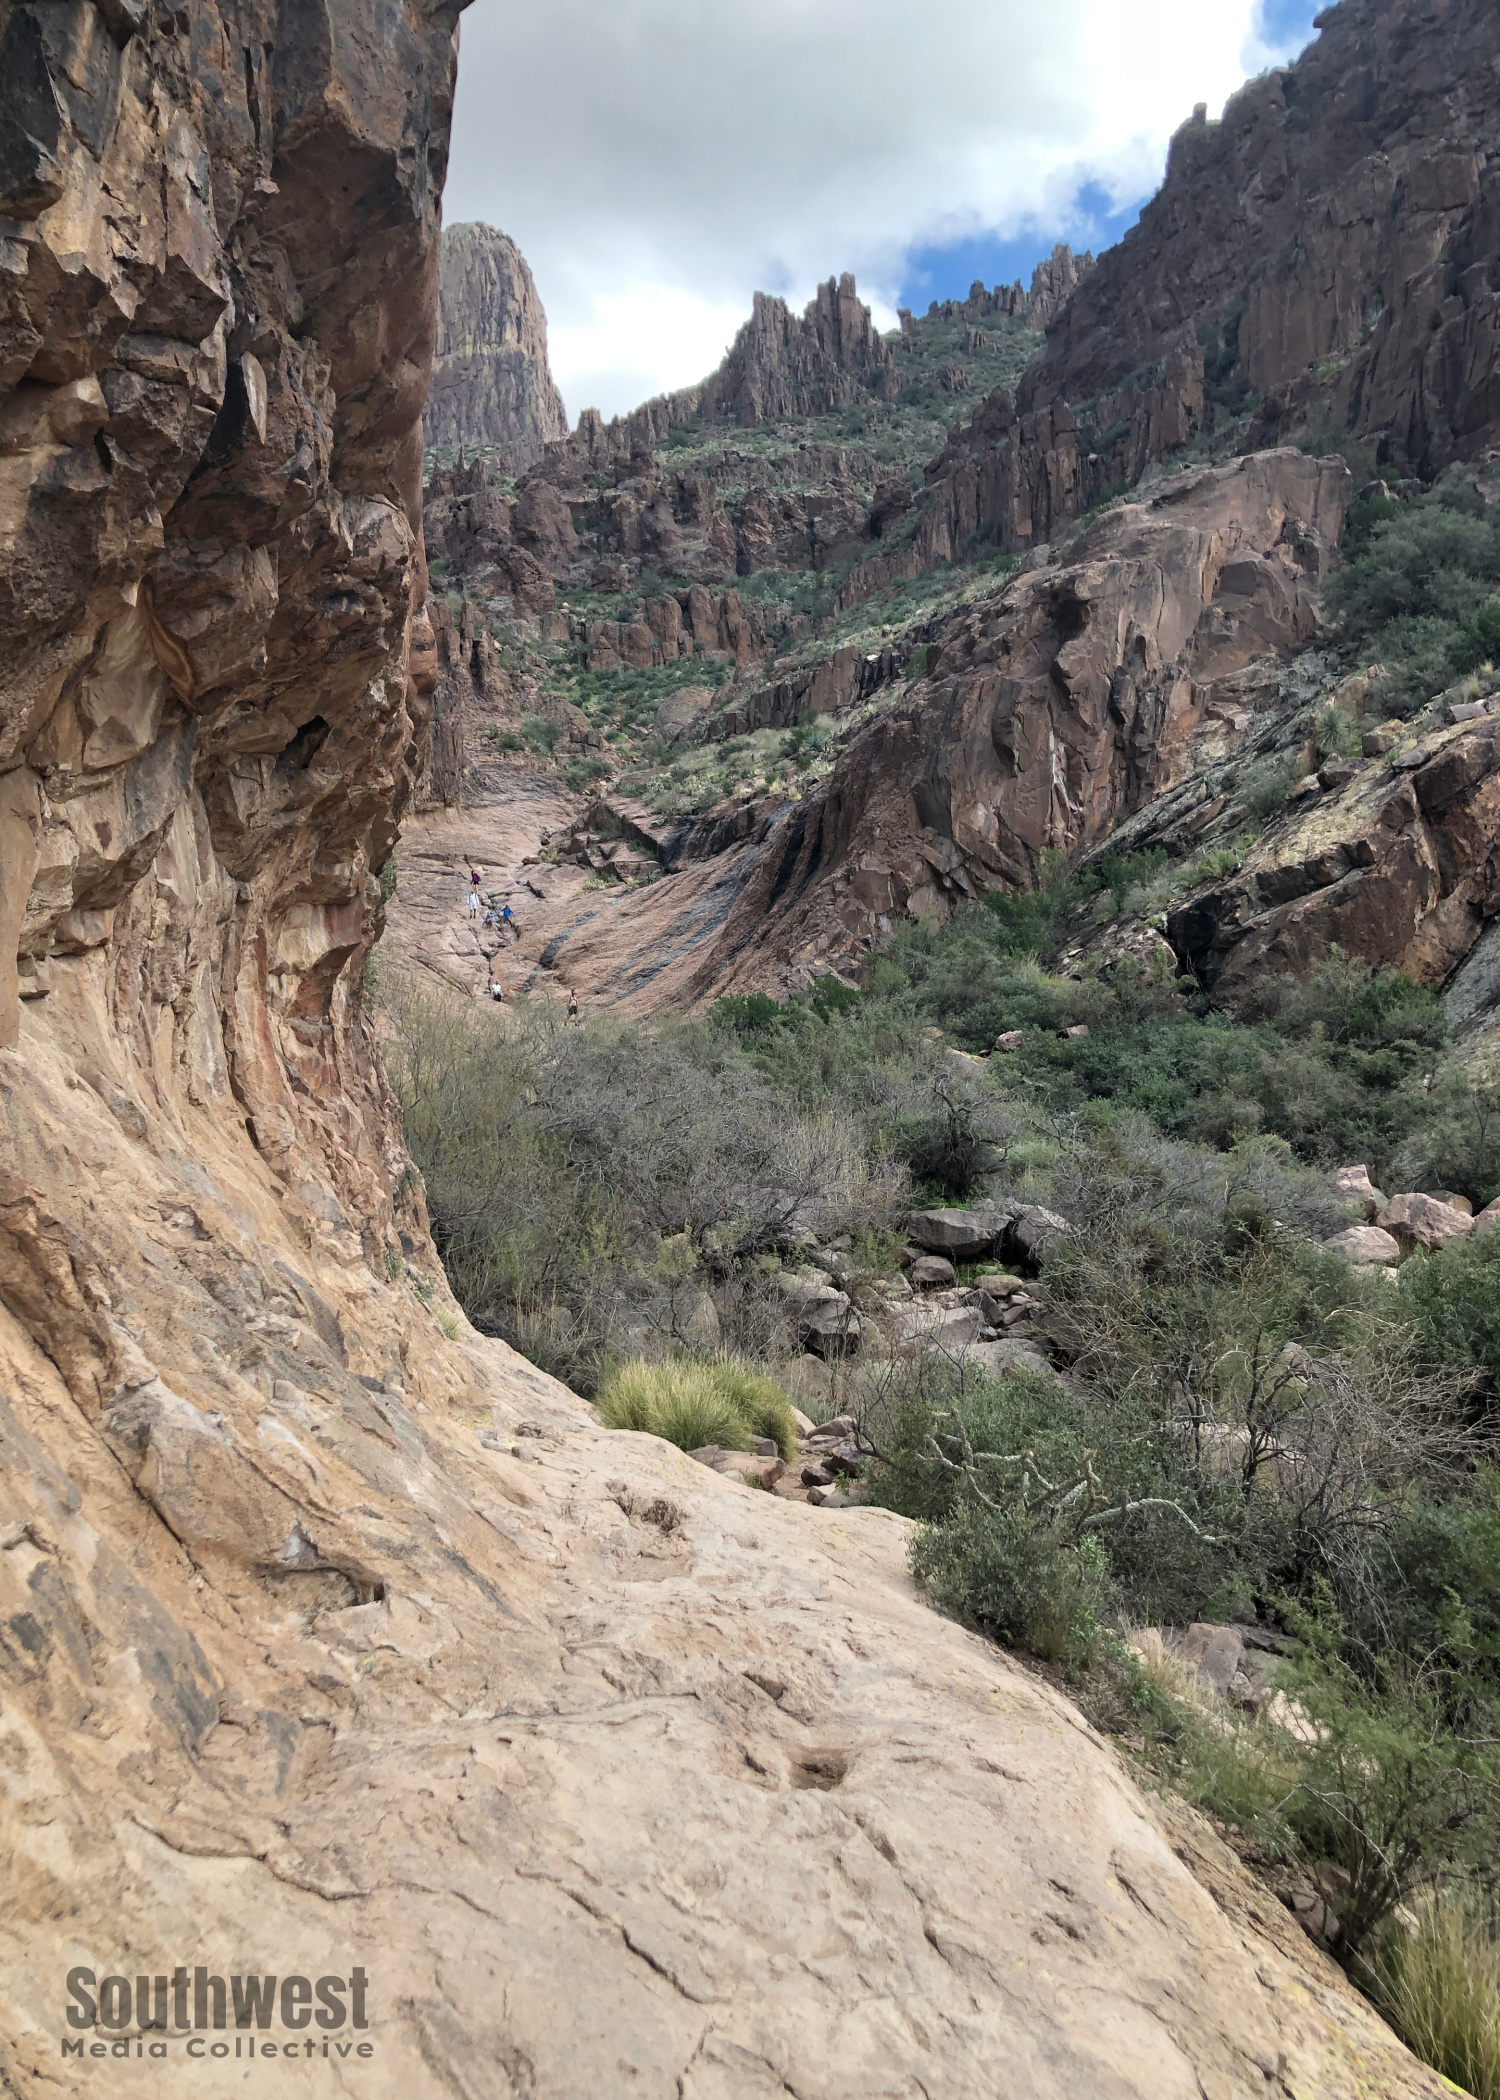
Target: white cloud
{"points": [[659, 160]]}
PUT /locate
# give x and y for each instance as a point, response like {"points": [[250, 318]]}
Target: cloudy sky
{"points": [[660, 160]]}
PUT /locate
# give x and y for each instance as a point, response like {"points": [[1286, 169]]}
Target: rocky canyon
{"points": [[334, 1633]]}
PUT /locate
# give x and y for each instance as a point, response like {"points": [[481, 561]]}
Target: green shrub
{"points": [[1453, 1300], [1028, 1584], [1242, 1770], [1216, 863], [1417, 592], [1401, 1774], [1120, 873], [1478, 639], [1437, 1980], [541, 732], [678, 1400], [1264, 786]]}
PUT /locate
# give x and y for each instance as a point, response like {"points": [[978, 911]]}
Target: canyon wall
{"points": [[492, 387], [1321, 258], [334, 1637], [1040, 717]]}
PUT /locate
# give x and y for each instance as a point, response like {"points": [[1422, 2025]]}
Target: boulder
{"points": [[1215, 1652], [931, 1270], [1008, 1354], [950, 1327], [1353, 1185], [832, 1327], [1033, 1230], [1454, 1202], [1337, 773], [753, 1467], [834, 1430], [1421, 1221], [1364, 1243], [1011, 1040], [1488, 1219], [967, 1235]]}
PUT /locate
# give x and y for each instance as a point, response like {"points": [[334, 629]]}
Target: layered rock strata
{"points": [[492, 387]]}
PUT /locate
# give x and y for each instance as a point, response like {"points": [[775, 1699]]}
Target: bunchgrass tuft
{"points": [[1438, 1983], [759, 1401], [678, 1400]]}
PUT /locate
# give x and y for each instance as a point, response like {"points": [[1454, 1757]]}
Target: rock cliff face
{"points": [[1399, 867], [780, 365], [330, 1634], [1320, 258], [492, 387], [1044, 715]]}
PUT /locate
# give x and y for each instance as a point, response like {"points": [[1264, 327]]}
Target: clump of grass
{"points": [[726, 1402], [1438, 1983], [678, 1400], [759, 1401]]}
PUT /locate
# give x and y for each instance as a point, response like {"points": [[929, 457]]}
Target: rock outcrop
{"points": [[1397, 866], [780, 366], [492, 388], [1045, 714], [1052, 282]]}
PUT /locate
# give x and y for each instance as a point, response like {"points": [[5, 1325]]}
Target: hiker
{"points": [[508, 919], [475, 878], [473, 904], [496, 994], [572, 1006]]}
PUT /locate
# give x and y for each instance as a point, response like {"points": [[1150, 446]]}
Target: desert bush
{"points": [[1243, 1770], [542, 732], [1028, 1584], [1038, 1512], [1400, 1781], [1121, 873], [950, 1130], [1417, 591], [1264, 786], [1453, 1302]]}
